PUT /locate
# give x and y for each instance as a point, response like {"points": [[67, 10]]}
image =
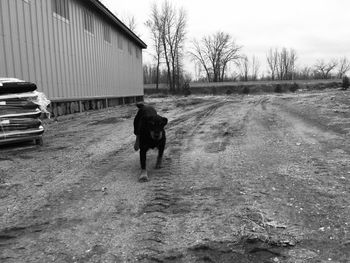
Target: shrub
{"points": [[187, 92], [346, 83], [228, 92], [294, 87], [186, 89], [246, 90], [278, 88], [213, 91]]}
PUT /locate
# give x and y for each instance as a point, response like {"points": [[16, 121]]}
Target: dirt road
{"points": [[261, 178]]}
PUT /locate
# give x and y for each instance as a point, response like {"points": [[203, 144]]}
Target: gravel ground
{"points": [[257, 178]]}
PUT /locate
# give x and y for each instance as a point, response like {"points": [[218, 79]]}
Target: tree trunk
{"points": [[174, 75], [178, 73], [223, 72], [157, 74], [167, 63]]}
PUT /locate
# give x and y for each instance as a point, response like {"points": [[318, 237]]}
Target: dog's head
{"points": [[155, 126]]}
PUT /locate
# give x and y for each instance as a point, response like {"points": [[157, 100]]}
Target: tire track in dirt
{"points": [[153, 216], [163, 200], [314, 119], [307, 182], [195, 114], [220, 226], [196, 201]]}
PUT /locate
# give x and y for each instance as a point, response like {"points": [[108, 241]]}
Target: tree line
{"points": [[282, 66], [218, 57]]}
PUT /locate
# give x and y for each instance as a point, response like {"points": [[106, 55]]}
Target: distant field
{"points": [[249, 86]]}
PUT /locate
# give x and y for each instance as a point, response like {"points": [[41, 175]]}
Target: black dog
{"points": [[150, 134]]}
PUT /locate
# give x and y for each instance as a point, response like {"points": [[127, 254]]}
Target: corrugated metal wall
{"points": [[63, 59]]}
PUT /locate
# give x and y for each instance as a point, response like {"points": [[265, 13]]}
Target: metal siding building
{"points": [[76, 52]]}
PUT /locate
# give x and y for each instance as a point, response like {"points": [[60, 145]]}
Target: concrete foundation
{"points": [[64, 107]]}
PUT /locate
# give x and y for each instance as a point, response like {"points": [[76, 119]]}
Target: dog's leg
{"points": [[137, 143], [143, 158], [160, 156], [143, 177]]}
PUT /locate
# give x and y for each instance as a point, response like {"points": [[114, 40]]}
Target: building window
{"points": [[61, 8], [129, 47], [120, 41], [137, 52], [88, 21], [107, 33], [27, 1]]}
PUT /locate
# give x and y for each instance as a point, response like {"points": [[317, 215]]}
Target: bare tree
{"points": [[177, 41], [286, 64], [304, 73], [323, 69], [248, 68], [229, 52], [255, 68], [319, 69], [156, 28], [272, 61], [129, 21], [173, 33], [197, 70], [281, 63], [291, 68], [243, 66], [344, 67], [151, 73], [201, 58], [214, 53]]}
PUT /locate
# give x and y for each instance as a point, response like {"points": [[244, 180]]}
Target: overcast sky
{"points": [[316, 29]]}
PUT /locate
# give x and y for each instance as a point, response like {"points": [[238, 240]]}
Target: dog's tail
{"points": [[140, 105]]}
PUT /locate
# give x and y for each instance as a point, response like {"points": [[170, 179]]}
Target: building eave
{"points": [[117, 22]]}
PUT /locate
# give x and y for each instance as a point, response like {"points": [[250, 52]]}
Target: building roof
{"points": [[117, 22]]}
